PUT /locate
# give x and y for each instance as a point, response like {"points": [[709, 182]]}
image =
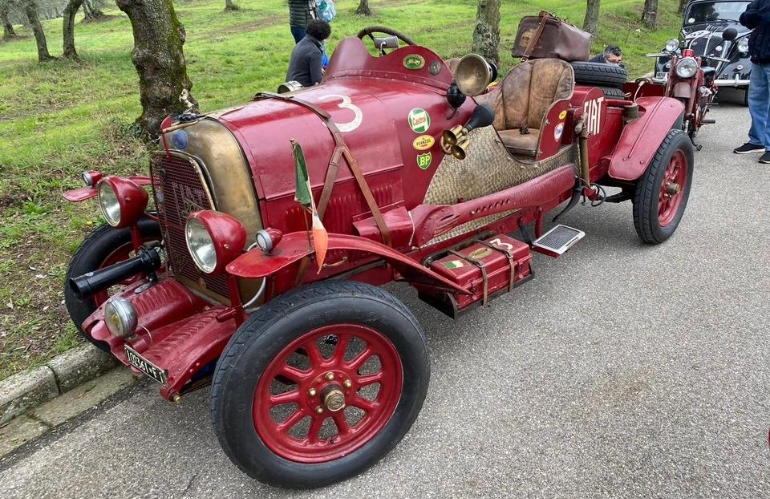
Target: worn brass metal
{"points": [[319, 409], [473, 74], [451, 136], [334, 400], [330, 376], [348, 383], [460, 150], [312, 392]]}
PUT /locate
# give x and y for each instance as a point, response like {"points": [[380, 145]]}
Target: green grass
{"points": [[60, 118]]}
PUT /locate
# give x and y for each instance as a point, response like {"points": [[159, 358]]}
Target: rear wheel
{"points": [[662, 192], [103, 247], [319, 384]]}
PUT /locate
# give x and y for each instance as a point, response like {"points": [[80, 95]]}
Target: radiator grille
{"points": [[178, 191]]}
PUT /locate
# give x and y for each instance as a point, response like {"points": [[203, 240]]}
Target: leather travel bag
{"points": [[545, 36]]}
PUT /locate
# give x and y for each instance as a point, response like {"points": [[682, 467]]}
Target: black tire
{"points": [[613, 92], [657, 214], [599, 74], [104, 245], [263, 348]]}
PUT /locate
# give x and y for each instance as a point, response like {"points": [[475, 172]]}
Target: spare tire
{"points": [[598, 73], [613, 92]]}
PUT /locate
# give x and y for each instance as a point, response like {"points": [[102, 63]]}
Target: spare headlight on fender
{"points": [[121, 201], [214, 239], [686, 67]]}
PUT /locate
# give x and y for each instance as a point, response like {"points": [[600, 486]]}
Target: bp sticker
{"points": [[419, 120], [424, 160]]}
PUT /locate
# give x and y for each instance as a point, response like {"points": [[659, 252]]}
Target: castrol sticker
{"points": [[419, 120], [423, 142]]}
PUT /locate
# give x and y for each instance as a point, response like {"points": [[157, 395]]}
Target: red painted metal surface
{"points": [[672, 187], [642, 138], [83, 193], [309, 384]]}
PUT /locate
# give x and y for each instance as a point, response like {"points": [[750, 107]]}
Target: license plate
{"points": [[661, 75], [147, 367]]}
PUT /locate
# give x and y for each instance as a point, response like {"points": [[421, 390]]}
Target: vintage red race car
{"points": [[234, 275]]}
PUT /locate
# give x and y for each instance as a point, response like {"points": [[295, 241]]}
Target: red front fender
{"points": [[294, 246], [640, 140]]}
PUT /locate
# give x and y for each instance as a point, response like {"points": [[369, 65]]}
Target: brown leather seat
{"points": [[522, 100]]}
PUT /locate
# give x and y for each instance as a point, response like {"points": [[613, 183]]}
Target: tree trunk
{"points": [[650, 14], [91, 10], [682, 4], [486, 36], [8, 31], [230, 6], [363, 8], [164, 86], [30, 8], [591, 21], [68, 20]]}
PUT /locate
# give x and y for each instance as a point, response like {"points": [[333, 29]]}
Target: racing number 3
{"points": [[347, 104]]}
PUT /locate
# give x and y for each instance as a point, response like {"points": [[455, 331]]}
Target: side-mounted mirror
{"points": [[730, 34]]}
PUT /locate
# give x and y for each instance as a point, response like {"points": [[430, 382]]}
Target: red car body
{"points": [[374, 137]]}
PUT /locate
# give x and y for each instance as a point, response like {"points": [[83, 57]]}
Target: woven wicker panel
{"points": [[487, 168]]}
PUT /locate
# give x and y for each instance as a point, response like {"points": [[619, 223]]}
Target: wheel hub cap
{"points": [[334, 399]]}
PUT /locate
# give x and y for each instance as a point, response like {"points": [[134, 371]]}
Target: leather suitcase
{"points": [[547, 36]]}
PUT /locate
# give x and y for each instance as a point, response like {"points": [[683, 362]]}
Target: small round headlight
{"points": [[214, 239], [686, 67], [121, 200], [672, 45], [267, 239], [120, 317], [201, 246], [743, 45], [109, 204]]}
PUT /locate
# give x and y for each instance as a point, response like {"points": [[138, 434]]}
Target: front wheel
{"points": [[103, 247], [319, 384], [664, 188]]}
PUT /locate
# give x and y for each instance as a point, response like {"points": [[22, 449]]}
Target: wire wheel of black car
{"points": [[599, 74], [664, 188], [103, 247], [319, 384]]}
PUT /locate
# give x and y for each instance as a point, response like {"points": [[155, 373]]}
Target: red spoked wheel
{"points": [[319, 384], [327, 393], [671, 189], [103, 247], [664, 188]]}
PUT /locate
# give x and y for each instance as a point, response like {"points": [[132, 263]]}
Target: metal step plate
{"points": [[557, 240]]}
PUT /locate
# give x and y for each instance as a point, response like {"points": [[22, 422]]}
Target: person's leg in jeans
{"points": [[759, 100], [298, 33]]}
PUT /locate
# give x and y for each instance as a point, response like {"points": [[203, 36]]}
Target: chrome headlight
{"points": [[672, 45], [201, 245], [686, 67], [109, 204], [120, 317], [743, 45]]}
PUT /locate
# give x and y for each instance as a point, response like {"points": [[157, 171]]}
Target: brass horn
{"points": [[460, 149], [452, 136]]}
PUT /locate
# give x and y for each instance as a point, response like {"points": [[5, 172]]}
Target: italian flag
{"points": [[304, 196]]}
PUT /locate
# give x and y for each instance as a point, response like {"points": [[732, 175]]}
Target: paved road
{"points": [[621, 371]]}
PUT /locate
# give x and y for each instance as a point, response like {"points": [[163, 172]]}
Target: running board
{"points": [[557, 241]]}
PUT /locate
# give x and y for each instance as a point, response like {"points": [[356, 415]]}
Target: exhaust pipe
{"points": [[87, 285]]}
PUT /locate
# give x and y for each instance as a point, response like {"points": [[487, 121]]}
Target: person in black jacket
{"points": [[305, 65], [301, 12], [612, 55], [757, 17]]}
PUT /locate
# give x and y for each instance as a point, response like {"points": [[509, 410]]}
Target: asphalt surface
{"points": [[620, 371]]}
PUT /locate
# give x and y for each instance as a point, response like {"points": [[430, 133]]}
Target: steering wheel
{"points": [[388, 42]]}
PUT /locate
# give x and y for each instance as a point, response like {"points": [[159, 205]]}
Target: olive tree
{"points": [[164, 86], [591, 21], [68, 31], [5, 10], [363, 8], [30, 9], [486, 35], [650, 14]]}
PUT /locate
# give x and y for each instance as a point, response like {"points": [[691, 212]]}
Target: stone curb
{"points": [[25, 391]]}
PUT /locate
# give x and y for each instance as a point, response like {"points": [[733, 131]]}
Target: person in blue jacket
{"points": [[757, 17]]}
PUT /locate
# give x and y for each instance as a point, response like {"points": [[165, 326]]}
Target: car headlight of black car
{"points": [[672, 45], [743, 45], [686, 67]]}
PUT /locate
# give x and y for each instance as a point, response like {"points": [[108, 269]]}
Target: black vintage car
{"points": [[703, 27]]}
